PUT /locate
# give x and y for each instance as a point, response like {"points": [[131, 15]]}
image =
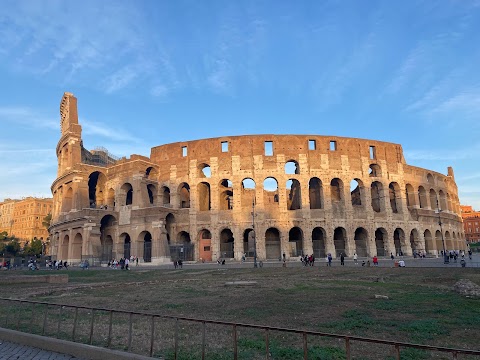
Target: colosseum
{"points": [[226, 197]]}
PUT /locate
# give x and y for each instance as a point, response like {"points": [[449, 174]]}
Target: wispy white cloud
{"points": [[410, 66], [443, 154], [159, 91], [27, 117], [466, 103], [111, 132], [119, 79]]}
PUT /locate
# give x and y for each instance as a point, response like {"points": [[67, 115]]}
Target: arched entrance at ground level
{"points": [[415, 242], [249, 242], [438, 241], [295, 241], [318, 242], [361, 240], [448, 242], [429, 247], [205, 241], [399, 241], [272, 244], [76, 248], [106, 240], [127, 246], [380, 237], [182, 247], [227, 243], [63, 249], [339, 240], [146, 238]]}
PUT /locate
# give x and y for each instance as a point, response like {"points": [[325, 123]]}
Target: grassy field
{"points": [[421, 306]]}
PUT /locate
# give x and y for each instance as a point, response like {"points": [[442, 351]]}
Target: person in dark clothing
{"points": [[342, 259]]}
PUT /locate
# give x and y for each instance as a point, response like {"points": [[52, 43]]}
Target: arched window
{"points": [[292, 167], [315, 193]]}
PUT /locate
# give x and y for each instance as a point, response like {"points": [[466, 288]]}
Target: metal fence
{"points": [[172, 337]]}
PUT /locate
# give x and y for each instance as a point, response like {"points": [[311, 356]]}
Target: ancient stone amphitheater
{"points": [[215, 198]]}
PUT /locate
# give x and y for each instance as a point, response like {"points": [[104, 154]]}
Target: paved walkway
{"points": [[10, 351]]}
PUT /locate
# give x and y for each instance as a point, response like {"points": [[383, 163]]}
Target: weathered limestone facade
{"points": [[201, 200]]}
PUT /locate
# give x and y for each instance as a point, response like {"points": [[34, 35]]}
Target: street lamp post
{"points": [[254, 236], [445, 256]]}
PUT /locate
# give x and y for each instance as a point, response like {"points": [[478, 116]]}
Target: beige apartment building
{"points": [[23, 218], [471, 223]]}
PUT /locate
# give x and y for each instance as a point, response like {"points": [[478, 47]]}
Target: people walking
{"points": [[342, 259], [355, 258]]}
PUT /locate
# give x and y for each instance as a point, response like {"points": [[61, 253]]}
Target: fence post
{"points": [[397, 352], [235, 353], [32, 317], [91, 327], [267, 345], [203, 340], [59, 320], [45, 319], [75, 324], [152, 336], [305, 347], [18, 318], [454, 354], [130, 331], [347, 347], [109, 340]]}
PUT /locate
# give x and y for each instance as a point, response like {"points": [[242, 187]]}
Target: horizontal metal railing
{"points": [[267, 330]]}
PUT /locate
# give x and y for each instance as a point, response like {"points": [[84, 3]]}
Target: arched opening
{"points": [[182, 249], [272, 244], [294, 195], [433, 200], [291, 167], [380, 245], [422, 197], [63, 253], [184, 192], [77, 248], [429, 246], [203, 196], [336, 190], [443, 200], [96, 185], [106, 237], [225, 190], [395, 197], [270, 191], [295, 240], [147, 246], [339, 240], [227, 243], [204, 171], [127, 192], [361, 239], [448, 241], [127, 245], [315, 193], [151, 173], [170, 226], [356, 190], [318, 242], [205, 241], [68, 200], [152, 194], [430, 179], [377, 196], [399, 241], [165, 193], [415, 242], [375, 170], [248, 192], [410, 195], [248, 242], [449, 202]]}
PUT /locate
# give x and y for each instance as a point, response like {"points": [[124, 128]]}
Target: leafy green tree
{"points": [[33, 248], [47, 220], [3, 236], [13, 247]]}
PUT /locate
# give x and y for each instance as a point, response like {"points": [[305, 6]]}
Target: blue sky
{"points": [[152, 72]]}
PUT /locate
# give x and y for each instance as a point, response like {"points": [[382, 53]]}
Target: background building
{"points": [[215, 198], [24, 218], [471, 223]]}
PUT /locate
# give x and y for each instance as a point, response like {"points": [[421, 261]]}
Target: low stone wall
{"points": [[20, 279]]}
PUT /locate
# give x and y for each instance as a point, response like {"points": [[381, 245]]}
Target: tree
{"points": [[47, 220], [33, 248], [13, 247]]}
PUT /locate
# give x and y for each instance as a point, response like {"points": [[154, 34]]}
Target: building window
{"points": [[333, 145], [312, 145], [184, 151], [373, 155], [268, 148], [224, 146]]}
